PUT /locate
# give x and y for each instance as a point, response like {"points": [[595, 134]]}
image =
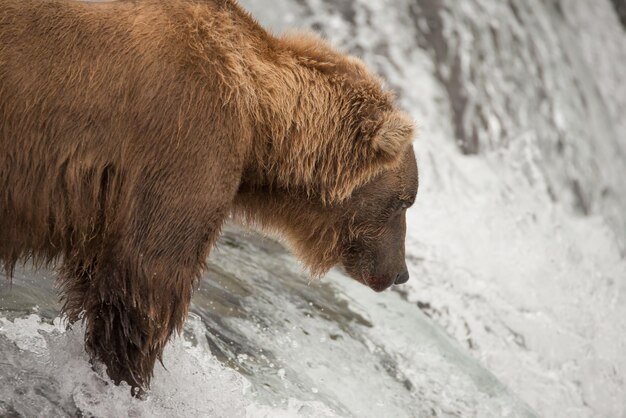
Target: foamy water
{"points": [[261, 341], [515, 246]]}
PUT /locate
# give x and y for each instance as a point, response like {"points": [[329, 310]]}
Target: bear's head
{"points": [[371, 248], [335, 171]]}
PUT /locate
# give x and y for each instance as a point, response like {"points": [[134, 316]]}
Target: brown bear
{"points": [[130, 130]]}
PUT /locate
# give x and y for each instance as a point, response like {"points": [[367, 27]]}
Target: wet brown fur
{"points": [[130, 130], [364, 234]]}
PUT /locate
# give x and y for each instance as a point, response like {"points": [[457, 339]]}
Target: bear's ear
{"points": [[385, 136], [382, 139], [389, 136]]}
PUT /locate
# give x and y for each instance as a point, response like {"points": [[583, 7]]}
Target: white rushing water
{"points": [[515, 246], [261, 342]]}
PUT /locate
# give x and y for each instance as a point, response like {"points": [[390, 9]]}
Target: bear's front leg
{"points": [[132, 303], [131, 309], [143, 264]]}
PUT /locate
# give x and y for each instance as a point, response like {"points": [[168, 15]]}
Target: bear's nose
{"points": [[402, 278]]}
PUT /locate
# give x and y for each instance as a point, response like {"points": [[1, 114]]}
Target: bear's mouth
{"points": [[376, 283]]}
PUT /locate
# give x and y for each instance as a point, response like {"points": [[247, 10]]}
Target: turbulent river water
{"points": [[516, 302]]}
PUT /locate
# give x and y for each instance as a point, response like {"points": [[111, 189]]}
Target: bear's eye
{"points": [[398, 205], [405, 204]]}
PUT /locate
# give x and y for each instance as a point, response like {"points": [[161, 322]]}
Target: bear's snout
{"points": [[382, 282], [402, 278]]}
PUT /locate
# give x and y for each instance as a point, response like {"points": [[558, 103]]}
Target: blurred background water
{"points": [[515, 247]]}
